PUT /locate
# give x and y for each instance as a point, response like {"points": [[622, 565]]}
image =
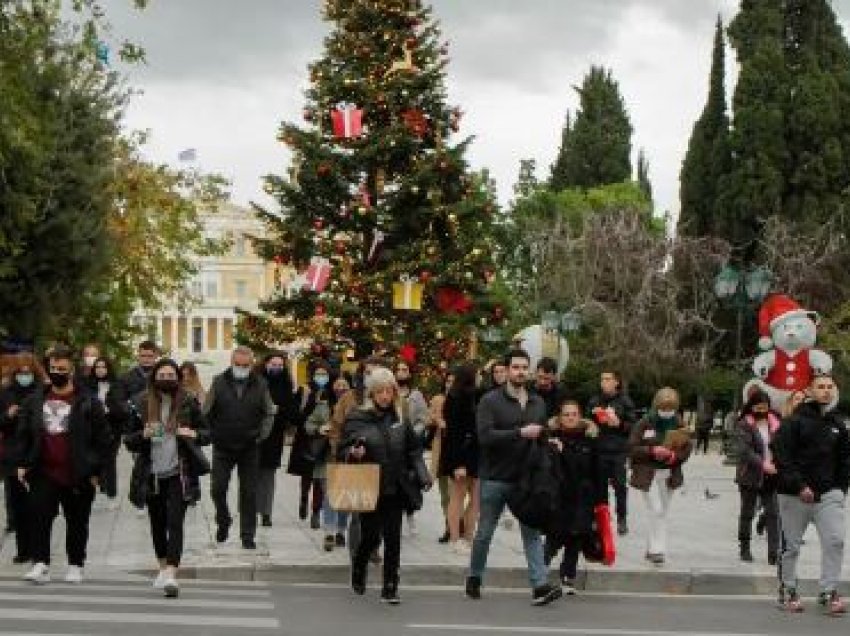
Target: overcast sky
{"points": [[221, 75]]}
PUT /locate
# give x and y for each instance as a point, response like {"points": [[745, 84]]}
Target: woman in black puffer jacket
{"points": [[377, 433]]}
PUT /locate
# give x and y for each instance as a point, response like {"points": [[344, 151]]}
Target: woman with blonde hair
{"points": [[659, 444], [192, 381], [376, 432]]}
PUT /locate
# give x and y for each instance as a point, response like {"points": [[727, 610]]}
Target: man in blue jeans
{"points": [[508, 418]]}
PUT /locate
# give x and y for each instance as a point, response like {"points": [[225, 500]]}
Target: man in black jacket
{"points": [[614, 412], [64, 441], [547, 387], [240, 413], [135, 380], [811, 453], [508, 419]]}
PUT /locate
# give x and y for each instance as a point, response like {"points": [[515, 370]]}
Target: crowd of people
{"points": [[63, 421]]}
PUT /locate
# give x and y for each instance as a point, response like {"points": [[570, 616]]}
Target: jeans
{"points": [[828, 517], [45, 497], [333, 521], [167, 510], [265, 490], [246, 462], [494, 496], [613, 467]]}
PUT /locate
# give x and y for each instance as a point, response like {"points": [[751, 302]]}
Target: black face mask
{"points": [[166, 386], [59, 380]]}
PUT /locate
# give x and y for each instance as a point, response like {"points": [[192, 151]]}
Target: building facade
{"points": [[205, 332]]}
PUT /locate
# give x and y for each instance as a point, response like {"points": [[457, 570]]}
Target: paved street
{"points": [[130, 607], [702, 557]]}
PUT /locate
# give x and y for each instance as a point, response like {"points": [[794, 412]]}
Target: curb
{"points": [[687, 583]]}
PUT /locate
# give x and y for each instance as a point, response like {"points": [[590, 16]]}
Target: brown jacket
{"points": [[643, 437], [345, 405]]}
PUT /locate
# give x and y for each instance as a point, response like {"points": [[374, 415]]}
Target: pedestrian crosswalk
{"points": [[128, 608]]}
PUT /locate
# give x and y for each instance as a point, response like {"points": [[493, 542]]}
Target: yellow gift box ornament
{"points": [[407, 294]]}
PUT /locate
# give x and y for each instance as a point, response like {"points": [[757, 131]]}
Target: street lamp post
{"points": [[741, 289]]}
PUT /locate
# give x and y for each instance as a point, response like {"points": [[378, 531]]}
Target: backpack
{"points": [[535, 500]]}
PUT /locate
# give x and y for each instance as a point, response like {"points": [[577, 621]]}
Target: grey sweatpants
{"points": [[828, 517]]}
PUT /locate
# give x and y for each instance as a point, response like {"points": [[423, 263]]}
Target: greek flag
{"points": [[190, 154]]}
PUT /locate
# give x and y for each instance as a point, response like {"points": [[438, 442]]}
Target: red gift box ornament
{"points": [[318, 274], [347, 121]]}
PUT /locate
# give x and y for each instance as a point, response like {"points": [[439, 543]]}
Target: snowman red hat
{"points": [[775, 309]]}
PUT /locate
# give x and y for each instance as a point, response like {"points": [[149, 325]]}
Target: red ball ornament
{"points": [[320, 310], [339, 247], [411, 43], [319, 224], [498, 311], [324, 169], [424, 277]]}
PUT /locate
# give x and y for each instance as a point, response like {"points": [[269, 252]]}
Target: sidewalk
{"points": [[702, 556]]}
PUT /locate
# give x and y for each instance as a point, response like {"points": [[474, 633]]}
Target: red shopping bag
{"points": [[602, 515]]}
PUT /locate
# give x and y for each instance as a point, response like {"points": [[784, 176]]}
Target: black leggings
{"points": [[167, 510]]}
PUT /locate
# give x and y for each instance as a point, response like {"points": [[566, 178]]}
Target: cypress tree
{"points": [[755, 185], [707, 159], [817, 119], [643, 175], [597, 148], [558, 178]]}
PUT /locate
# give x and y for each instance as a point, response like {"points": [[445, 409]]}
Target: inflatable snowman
{"points": [[787, 334]]}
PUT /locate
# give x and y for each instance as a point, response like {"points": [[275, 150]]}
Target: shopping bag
{"points": [[353, 487], [602, 515]]}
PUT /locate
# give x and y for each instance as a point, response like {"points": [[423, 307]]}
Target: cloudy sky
{"points": [[221, 75]]}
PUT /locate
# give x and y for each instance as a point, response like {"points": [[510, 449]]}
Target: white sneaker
{"points": [[74, 574], [39, 574], [159, 581], [412, 530], [171, 588], [461, 548]]}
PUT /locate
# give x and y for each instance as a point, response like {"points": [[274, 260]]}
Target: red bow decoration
{"points": [[416, 121], [408, 353], [453, 301]]}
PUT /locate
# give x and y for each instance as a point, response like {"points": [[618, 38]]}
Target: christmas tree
{"points": [[392, 236]]}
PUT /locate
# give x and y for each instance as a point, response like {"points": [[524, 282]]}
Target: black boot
{"points": [[302, 509], [445, 538], [746, 555], [358, 579], [389, 593]]}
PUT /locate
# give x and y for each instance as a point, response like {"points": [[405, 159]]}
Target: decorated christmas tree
{"points": [[390, 236]]}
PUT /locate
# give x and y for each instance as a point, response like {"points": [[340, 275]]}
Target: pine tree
{"points": [[395, 203], [708, 158], [526, 182], [643, 175], [597, 147], [59, 124]]}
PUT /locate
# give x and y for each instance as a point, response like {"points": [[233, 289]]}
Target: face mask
{"points": [[274, 371], [321, 381], [59, 380], [666, 415], [24, 379], [241, 373], [89, 360], [166, 386]]}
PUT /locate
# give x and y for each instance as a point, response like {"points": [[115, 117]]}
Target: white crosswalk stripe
{"points": [[124, 607]]}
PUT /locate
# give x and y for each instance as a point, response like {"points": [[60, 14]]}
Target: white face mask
{"points": [[666, 414], [241, 373]]}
